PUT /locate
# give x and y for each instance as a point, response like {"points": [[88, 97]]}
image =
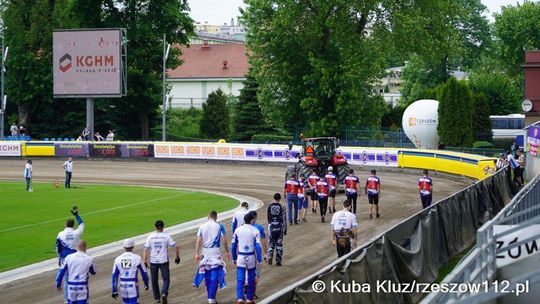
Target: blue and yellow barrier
{"points": [[469, 165], [37, 148]]}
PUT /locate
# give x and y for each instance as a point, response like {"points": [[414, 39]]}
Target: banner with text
{"points": [[71, 149], [270, 153], [10, 149], [533, 140], [104, 150]]}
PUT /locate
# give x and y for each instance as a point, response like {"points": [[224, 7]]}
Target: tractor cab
{"points": [[322, 149], [318, 154]]}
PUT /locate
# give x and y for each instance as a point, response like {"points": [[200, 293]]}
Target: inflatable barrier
{"points": [[469, 165]]}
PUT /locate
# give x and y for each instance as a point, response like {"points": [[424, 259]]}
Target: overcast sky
{"points": [[221, 11]]}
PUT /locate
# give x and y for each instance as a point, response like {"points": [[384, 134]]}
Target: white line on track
{"points": [[97, 211]]}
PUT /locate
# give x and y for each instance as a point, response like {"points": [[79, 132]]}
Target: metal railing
{"points": [[480, 265], [187, 102]]}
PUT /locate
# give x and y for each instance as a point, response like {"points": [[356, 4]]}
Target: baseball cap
{"points": [[330, 168], [129, 243]]}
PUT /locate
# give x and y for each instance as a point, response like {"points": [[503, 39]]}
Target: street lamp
{"points": [[166, 48]]}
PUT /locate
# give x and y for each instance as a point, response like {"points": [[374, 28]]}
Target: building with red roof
{"points": [[206, 68]]}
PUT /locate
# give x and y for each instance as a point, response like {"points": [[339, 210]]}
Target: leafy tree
{"points": [[456, 110], [29, 25], [393, 116], [316, 61], [419, 79], [481, 121], [248, 120], [215, 119], [28, 34], [503, 95], [517, 28]]}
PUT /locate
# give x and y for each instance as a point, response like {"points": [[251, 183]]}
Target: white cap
{"points": [[129, 243], [330, 168]]}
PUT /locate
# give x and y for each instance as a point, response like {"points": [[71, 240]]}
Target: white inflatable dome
{"points": [[420, 121]]}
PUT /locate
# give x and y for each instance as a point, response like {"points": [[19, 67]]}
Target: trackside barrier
{"points": [[469, 165], [409, 253], [511, 237]]}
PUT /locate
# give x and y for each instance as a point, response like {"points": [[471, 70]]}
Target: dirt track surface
{"points": [[307, 247]]}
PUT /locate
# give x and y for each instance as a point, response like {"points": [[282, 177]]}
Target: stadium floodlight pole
{"points": [[166, 48], [2, 98]]}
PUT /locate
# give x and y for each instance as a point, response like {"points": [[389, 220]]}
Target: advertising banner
{"points": [[87, 63], [370, 157], [270, 153], [104, 150], [520, 252], [533, 140], [10, 149], [71, 149], [137, 150]]}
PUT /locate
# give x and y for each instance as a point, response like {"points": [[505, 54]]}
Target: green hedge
{"points": [[482, 144]]}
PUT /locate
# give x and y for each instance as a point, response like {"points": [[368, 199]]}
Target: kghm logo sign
{"points": [[413, 121], [86, 64], [65, 63]]}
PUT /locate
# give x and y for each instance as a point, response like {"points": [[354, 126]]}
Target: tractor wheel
{"points": [[290, 169], [342, 172], [303, 170]]}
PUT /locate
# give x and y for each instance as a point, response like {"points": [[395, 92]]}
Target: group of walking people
{"points": [[251, 244]]}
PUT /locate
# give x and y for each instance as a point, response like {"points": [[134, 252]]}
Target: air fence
{"points": [[409, 253], [517, 222]]}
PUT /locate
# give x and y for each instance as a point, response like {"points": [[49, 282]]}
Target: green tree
{"points": [[248, 120], [518, 30], [481, 121], [215, 120], [503, 95], [316, 61], [28, 27], [419, 79], [456, 110]]}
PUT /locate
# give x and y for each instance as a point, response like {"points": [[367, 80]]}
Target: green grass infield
{"points": [[31, 220]]}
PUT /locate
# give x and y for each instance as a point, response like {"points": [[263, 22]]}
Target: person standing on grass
{"points": [[351, 188], [66, 241], [373, 191], [127, 267], [344, 229], [68, 168], [76, 267], [28, 170], [425, 188], [156, 248], [211, 238]]}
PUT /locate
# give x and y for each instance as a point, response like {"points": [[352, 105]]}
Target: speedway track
{"points": [[307, 247]]}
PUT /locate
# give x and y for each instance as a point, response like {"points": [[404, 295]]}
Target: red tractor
{"points": [[320, 153]]}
